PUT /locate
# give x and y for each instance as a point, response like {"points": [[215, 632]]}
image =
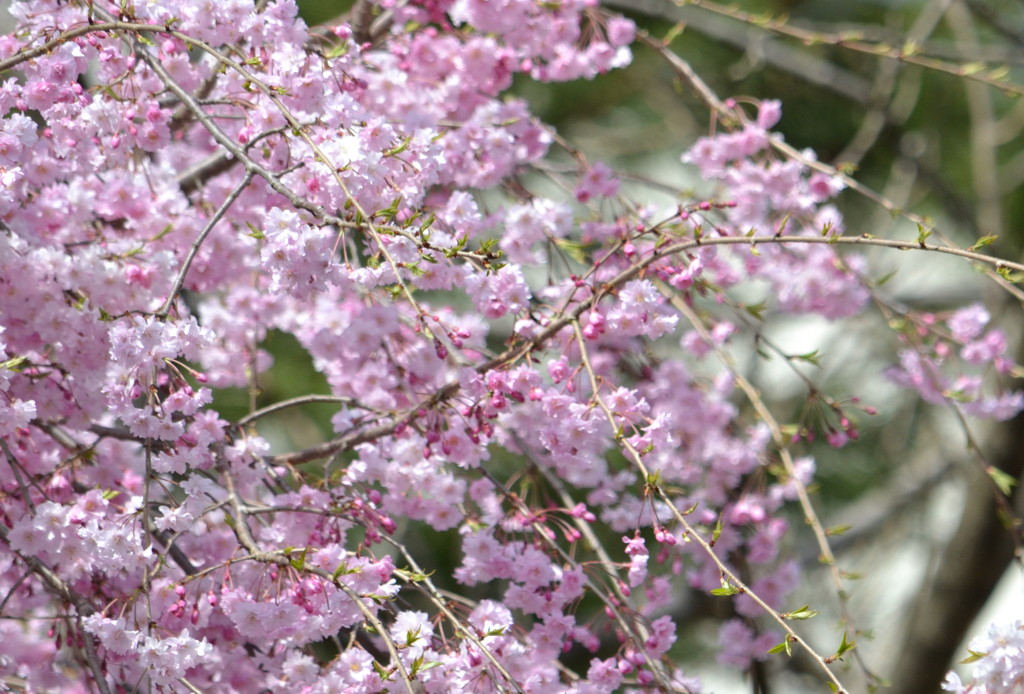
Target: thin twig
{"points": [[240, 527], [293, 402], [448, 391], [56, 585], [689, 532], [179, 280]]}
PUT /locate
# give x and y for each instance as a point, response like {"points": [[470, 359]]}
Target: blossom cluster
{"points": [[997, 659], [951, 359], [185, 179]]}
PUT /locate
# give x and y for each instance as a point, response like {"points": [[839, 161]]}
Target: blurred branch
{"points": [[803, 63], [876, 511], [967, 68], [889, 102], [984, 155], [995, 20], [54, 584]]}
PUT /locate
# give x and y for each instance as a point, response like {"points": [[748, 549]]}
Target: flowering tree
{"points": [[549, 378]]}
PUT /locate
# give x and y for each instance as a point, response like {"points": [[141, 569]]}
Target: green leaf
{"points": [[838, 529], [804, 612], [983, 241], [573, 249], [163, 232], [412, 576], [429, 221], [845, 647], [810, 357], [381, 672], [338, 50], [254, 232], [999, 73], [13, 363], [756, 310], [342, 569], [298, 562], [922, 234], [782, 647], [419, 665], [726, 589], [1005, 482], [398, 149], [673, 33], [1014, 277], [973, 657], [885, 278], [390, 211], [412, 636]]}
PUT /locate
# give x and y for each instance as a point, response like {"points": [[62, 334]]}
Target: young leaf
{"points": [[254, 232], [298, 562], [922, 235], [756, 310], [726, 589], [983, 241], [845, 647], [804, 612], [12, 364], [973, 657], [811, 357], [1005, 482], [885, 278]]}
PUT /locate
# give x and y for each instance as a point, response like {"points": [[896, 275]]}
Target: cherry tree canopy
{"points": [[543, 377]]}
